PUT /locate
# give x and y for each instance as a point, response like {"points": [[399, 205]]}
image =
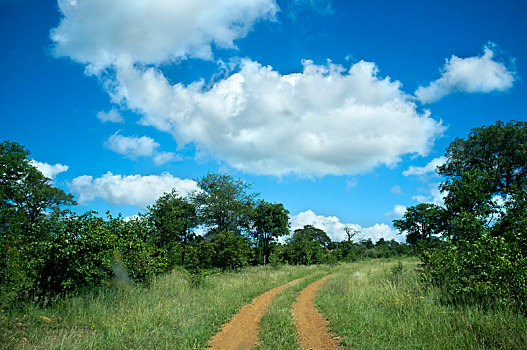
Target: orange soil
{"points": [[243, 330], [312, 327]]}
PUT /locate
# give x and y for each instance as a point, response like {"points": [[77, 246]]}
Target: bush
{"points": [[231, 251], [488, 270]]}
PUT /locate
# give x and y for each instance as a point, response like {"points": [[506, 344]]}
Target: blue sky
{"points": [[338, 109]]}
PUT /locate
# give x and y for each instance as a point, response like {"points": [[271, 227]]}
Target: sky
{"points": [[340, 110]]}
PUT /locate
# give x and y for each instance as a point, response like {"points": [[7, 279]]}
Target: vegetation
{"points": [[483, 254], [370, 304], [169, 315], [79, 280], [382, 305]]}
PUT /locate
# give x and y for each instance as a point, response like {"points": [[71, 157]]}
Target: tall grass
{"points": [[381, 305], [170, 315]]}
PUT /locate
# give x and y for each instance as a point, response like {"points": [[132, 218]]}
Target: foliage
{"points": [[26, 197], [307, 246], [485, 250], [223, 204], [173, 218], [395, 312], [422, 222], [488, 270], [231, 251], [270, 222]]}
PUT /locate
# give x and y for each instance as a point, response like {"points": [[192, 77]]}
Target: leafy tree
{"points": [[26, 195], [223, 204], [484, 255], [307, 246], [24, 190], [486, 179], [270, 222], [231, 251], [174, 218], [421, 222]]}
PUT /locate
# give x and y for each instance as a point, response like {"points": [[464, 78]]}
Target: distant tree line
{"points": [[47, 250], [475, 246]]}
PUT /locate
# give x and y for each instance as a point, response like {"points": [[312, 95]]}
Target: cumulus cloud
{"points": [[429, 168], [324, 120], [132, 147], [136, 190], [49, 170], [336, 229], [166, 157], [397, 212], [99, 32], [327, 119], [112, 116], [471, 74]]}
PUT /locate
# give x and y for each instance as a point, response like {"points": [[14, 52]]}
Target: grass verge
{"points": [[380, 305], [168, 315]]}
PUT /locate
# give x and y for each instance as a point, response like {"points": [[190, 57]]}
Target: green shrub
{"points": [[488, 270]]}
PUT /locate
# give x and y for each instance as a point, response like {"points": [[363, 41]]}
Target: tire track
{"points": [[312, 327], [243, 330]]}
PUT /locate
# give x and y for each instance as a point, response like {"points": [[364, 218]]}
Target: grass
{"points": [[381, 305], [170, 314], [372, 304]]}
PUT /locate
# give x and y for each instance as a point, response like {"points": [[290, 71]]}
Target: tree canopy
{"points": [[421, 222], [270, 222], [224, 204]]}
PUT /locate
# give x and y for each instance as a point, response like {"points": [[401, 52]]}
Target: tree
{"points": [[421, 222], [270, 222], [351, 232], [231, 251], [173, 218], [486, 179], [484, 255], [307, 246], [223, 204], [25, 191]]}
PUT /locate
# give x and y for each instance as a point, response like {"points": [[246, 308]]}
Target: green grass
{"points": [[277, 328], [371, 305], [380, 305], [169, 315]]}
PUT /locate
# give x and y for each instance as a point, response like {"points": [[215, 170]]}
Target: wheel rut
{"points": [[312, 327], [243, 330]]}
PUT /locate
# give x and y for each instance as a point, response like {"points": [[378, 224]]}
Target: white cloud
{"points": [[398, 211], [49, 170], [112, 116], [132, 147], [325, 120], [431, 167], [165, 157], [435, 196], [99, 32], [335, 229], [136, 190], [471, 74]]}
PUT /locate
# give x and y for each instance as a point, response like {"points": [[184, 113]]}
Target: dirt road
{"points": [[312, 327], [243, 330]]}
